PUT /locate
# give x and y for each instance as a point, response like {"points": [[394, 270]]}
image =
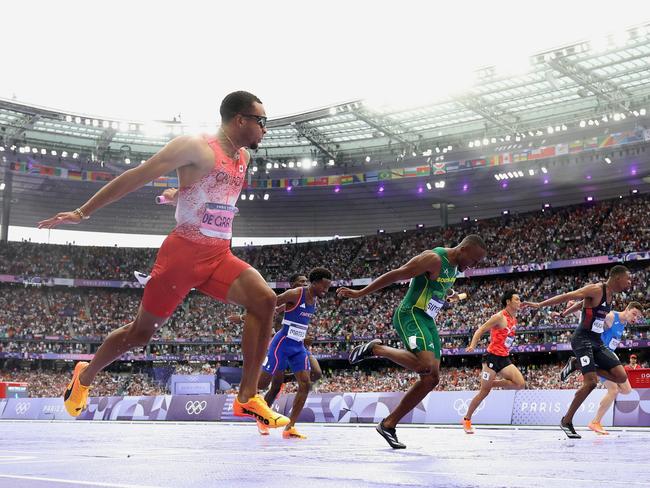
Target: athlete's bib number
{"points": [[296, 333], [217, 220], [613, 344], [598, 326], [434, 306], [510, 340]]}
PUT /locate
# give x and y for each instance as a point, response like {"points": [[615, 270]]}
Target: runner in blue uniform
{"points": [[287, 347]]}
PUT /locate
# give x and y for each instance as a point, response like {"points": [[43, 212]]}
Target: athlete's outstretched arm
{"points": [[574, 307], [288, 297], [589, 291], [483, 329], [428, 261], [181, 151]]}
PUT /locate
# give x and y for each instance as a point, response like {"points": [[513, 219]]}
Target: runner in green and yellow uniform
{"points": [[432, 273]]}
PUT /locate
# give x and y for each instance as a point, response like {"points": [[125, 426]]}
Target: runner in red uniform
{"points": [[502, 327], [211, 172]]}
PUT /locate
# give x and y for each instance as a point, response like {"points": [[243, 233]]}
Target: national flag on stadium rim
{"points": [[494, 160], [347, 179], [322, 181], [575, 146], [424, 170], [277, 184], [333, 180], [452, 166], [439, 168], [478, 162], [371, 176], [385, 175], [506, 158], [22, 167], [75, 175], [409, 172], [46, 170], [522, 156], [542, 152], [591, 142], [608, 141], [103, 176], [561, 149]]}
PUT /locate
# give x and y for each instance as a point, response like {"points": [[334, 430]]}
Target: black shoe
{"points": [[364, 351], [569, 368], [568, 429], [390, 436]]}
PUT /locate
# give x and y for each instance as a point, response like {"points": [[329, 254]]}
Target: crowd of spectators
{"points": [[70, 320], [608, 227]]}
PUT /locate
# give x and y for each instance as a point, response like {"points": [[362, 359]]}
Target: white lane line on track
{"points": [[74, 482]]}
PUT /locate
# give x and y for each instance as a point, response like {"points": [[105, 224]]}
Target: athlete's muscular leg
{"points": [[487, 381], [589, 382], [304, 385], [606, 402], [251, 292], [316, 373], [430, 376], [404, 358], [276, 384], [512, 379], [136, 333]]}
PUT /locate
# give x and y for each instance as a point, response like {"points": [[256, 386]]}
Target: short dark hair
{"points": [[507, 295], [618, 270], [235, 103], [474, 240], [318, 274], [633, 305], [294, 277]]}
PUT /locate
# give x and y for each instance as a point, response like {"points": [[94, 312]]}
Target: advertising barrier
{"points": [[501, 407]]}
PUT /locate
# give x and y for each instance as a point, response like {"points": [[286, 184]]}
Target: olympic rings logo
{"points": [[22, 407], [195, 408], [462, 405]]}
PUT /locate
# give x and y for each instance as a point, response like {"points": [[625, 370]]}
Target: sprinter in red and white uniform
{"points": [[211, 172], [502, 327]]}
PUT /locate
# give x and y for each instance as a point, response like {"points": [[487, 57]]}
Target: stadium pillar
{"points": [[444, 215], [6, 204]]}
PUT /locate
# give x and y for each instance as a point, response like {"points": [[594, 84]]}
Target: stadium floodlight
{"points": [[43, 152], [266, 196], [642, 112], [428, 185], [291, 164], [608, 160], [367, 159], [127, 161], [331, 162], [74, 155], [550, 129], [276, 165], [544, 170], [2, 186], [269, 165]]}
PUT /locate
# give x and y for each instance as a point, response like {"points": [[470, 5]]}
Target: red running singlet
{"points": [[502, 339]]}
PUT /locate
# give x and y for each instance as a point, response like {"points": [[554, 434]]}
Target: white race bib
{"points": [[510, 340], [613, 344], [598, 326], [296, 333], [217, 220], [434, 306]]}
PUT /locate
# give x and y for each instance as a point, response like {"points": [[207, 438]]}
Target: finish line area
{"points": [[169, 454]]}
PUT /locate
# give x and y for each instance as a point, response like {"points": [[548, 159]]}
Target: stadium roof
{"points": [[577, 90]]}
